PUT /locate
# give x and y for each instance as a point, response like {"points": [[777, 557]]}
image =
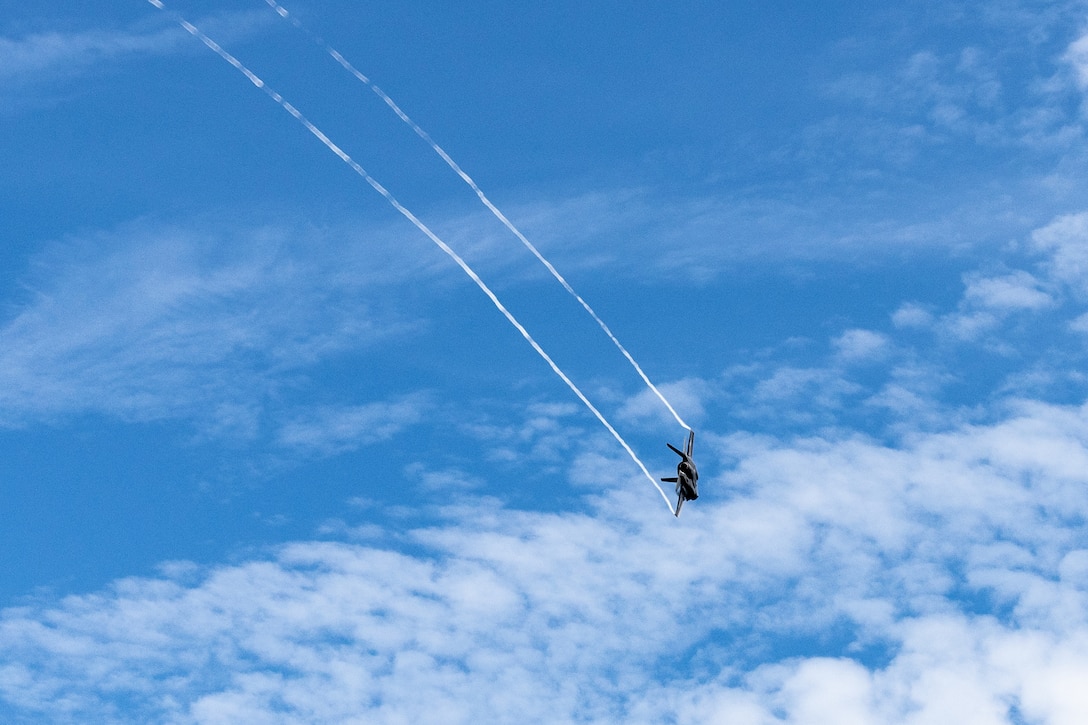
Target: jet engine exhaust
{"points": [[358, 169], [283, 13]]}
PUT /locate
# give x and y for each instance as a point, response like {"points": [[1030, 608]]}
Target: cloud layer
{"points": [[947, 575], [825, 576]]}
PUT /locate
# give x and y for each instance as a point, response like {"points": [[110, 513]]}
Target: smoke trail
{"points": [[256, 81], [282, 11]]}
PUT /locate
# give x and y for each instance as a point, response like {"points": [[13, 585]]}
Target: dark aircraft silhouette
{"points": [[687, 476]]}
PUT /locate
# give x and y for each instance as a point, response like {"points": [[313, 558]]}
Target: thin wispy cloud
{"points": [[1077, 57], [154, 322], [34, 56], [53, 55], [328, 430], [950, 89], [909, 366]]}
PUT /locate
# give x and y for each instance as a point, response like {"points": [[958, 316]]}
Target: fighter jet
{"points": [[687, 476]]}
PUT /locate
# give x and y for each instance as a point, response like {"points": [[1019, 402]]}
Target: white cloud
{"points": [[828, 690], [1065, 240], [53, 52], [907, 374], [687, 397], [990, 301], [1079, 323], [152, 322], [1077, 56], [1016, 291], [629, 615], [861, 345], [636, 234], [445, 480], [972, 93], [823, 386], [912, 315], [328, 430], [56, 54]]}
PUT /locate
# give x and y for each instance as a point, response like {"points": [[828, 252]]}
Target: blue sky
{"points": [[270, 456]]}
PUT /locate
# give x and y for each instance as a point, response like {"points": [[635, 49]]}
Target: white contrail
{"points": [[282, 11], [320, 135]]}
